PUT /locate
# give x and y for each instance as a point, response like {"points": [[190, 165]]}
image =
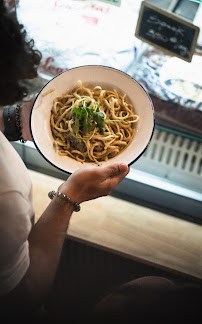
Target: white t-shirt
{"points": [[16, 216]]}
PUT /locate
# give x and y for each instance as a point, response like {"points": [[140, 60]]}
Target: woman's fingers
{"points": [[115, 170]]}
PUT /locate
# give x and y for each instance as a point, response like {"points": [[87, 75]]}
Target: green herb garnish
{"points": [[86, 118]]}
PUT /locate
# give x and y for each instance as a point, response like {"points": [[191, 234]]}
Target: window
{"points": [[169, 175]]}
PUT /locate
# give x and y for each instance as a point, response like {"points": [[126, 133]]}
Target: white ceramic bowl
{"points": [[94, 75]]}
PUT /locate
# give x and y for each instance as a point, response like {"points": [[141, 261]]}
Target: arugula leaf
{"points": [[85, 122], [90, 111], [78, 112], [86, 117], [76, 126], [78, 115], [99, 119]]}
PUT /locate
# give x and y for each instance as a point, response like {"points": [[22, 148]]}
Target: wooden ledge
{"points": [[130, 230]]}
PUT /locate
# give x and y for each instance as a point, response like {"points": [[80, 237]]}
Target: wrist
{"points": [[68, 190], [65, 198]]}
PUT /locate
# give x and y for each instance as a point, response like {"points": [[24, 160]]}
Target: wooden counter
{"points": [[130, 230]]}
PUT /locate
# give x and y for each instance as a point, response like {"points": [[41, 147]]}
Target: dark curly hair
{"points": [[18, 58]]}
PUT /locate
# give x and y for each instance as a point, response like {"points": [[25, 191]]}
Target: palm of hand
{"points": [[93, 182]]}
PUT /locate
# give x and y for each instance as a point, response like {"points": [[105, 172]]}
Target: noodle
{"points": [[92, 125]]}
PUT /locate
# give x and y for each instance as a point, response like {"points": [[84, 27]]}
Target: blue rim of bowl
{"points": [[85, 66]]}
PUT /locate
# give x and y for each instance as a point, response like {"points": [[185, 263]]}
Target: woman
{"points": [[29, 253]]}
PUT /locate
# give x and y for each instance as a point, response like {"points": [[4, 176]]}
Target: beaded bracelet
{"points": [[59, 194], [17, 120], [12, 127]]}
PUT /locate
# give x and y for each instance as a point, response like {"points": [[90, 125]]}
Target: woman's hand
{"points": [[93, 182], [24, 119]]}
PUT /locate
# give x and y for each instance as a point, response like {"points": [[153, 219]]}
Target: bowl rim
{"points": [[93, 66]]}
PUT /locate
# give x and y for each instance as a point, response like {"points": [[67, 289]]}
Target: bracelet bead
{"points": [[59, 194]]}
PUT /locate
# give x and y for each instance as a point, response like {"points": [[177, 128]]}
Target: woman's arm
{"points": [[47, 236]]}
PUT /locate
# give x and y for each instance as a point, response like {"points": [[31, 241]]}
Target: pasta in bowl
{"points": [[92, 125], [91, 115]]}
